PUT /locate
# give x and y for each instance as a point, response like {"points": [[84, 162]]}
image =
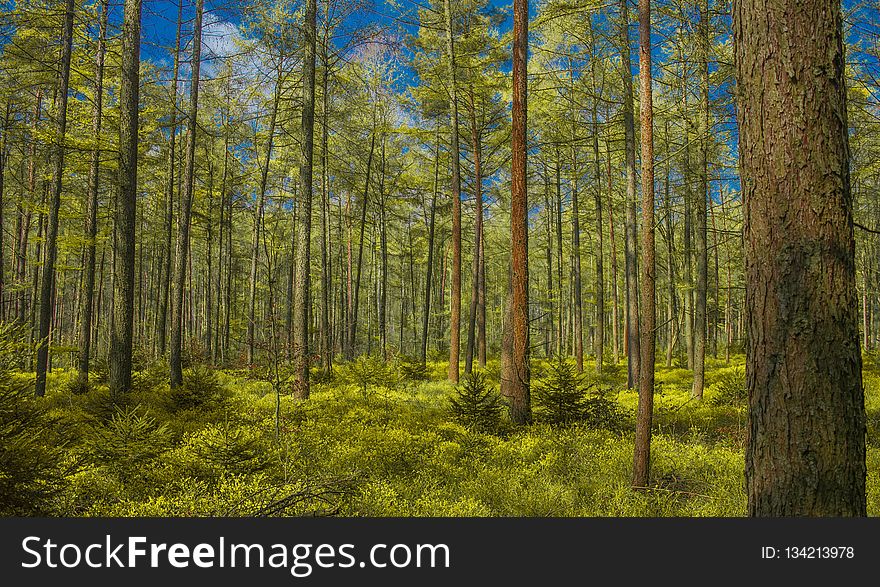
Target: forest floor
{"points": [[381, 445]]}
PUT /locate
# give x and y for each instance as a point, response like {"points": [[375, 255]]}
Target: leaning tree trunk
{"points": [[47, 286], [806, 447]]}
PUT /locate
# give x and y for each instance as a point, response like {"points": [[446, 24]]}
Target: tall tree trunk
{"points": [[615, 302], [326, 347], [516, 370], [630, 227], [122, 324], [169, 194], [383, 249], [476, 141], [806, 445], [642, 459], [454, 149], [87, 304], [430, 268], [599, 340], [304, 250], [672, 301], [186, 201], [4, 146], [560, 315], [352, 325], [47, 305], [701, 201], [258, 216]]}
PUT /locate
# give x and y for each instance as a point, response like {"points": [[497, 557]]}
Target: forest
{"points": [[439, 258]]}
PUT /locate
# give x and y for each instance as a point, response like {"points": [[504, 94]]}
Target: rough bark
{"points": [[515, 383], [806, 448], [642, 457], [303, 274], [122, 323]]}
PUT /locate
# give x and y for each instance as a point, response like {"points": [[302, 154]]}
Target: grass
{"points": [[396, 450]]}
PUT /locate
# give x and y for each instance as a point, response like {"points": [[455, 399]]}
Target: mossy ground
{"points": [[392, 448]]}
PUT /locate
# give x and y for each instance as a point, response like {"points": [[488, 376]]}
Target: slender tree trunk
{"points": [[303, 272], [48, 276], [516, 370], [352, 333], [455, 294], [4, 155], [169, 194], [476, 140], [630, 228], [560, 320], [430, 268], [700, 321], [383, 248], [87, 304], [258, 216], [672, 302], [806, 445], [642, 459], [599, 340], [186, 206], [326, 347]]}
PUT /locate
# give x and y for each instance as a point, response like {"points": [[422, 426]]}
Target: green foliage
{"points": [[32, 461], [201, 390], [413, 369], [562, 397], [128, 442], [227, 448], [476, 404], [729, 387], [368, 371]]}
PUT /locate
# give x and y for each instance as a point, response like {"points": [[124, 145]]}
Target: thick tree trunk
{"points": [[122, 324], [303, 296], [515, 380], [806, 446]]}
